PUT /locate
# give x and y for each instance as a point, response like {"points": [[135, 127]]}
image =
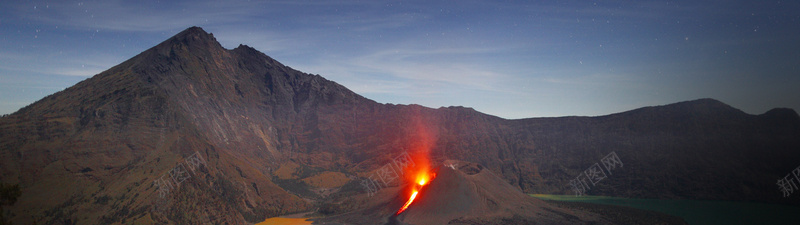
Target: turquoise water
{"points": [[697, 212]]}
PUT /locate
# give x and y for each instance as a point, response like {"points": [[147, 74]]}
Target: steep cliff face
{"points": [[97, 152]]}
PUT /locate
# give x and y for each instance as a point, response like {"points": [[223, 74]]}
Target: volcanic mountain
{"points": [[464, 193], [468, 193], [189, 132]]}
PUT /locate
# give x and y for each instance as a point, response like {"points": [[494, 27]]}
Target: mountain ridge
{"points": [[105, 140]]}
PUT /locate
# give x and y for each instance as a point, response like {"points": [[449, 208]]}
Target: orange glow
{"points": [[419, 174], [423, 180]]}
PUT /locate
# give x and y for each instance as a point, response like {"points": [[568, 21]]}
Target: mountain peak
{"points": [[703, 105], [782, 116], [702, 109], [703, 102], [191, 39], [195, 33]]}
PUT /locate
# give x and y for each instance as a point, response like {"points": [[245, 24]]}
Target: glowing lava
{"points": [[413, 196], [420, 174], [423, 179]]}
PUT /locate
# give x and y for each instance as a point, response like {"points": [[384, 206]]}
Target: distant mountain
{"points": [[249, 138], [700, 149]]}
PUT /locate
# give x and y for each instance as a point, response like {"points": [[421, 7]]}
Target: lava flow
{"points": [[422, 180]]}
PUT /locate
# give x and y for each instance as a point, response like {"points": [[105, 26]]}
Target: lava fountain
{"points": [[424, 138], [423, 178]]}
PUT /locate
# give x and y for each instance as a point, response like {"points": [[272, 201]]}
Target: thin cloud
{"points": [[414, 68], [74, 66], [130, 16]]}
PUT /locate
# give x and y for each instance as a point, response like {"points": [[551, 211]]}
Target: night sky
{"points": [[505, 58]]}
